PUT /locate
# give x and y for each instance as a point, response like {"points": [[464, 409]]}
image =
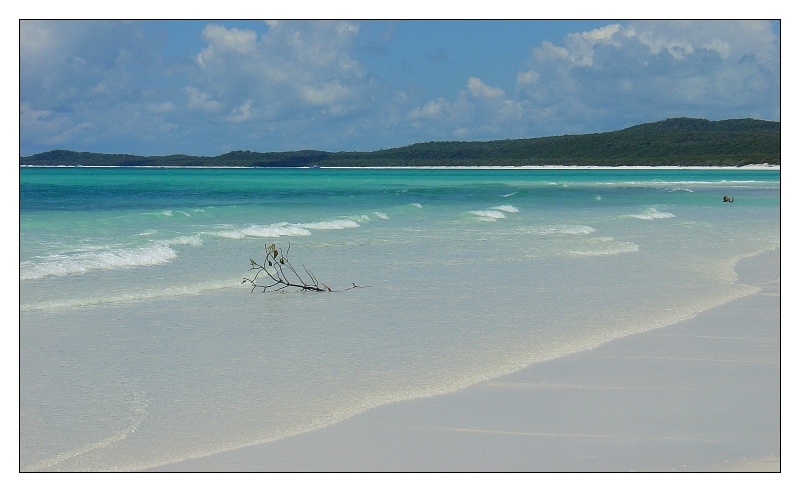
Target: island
{"points": [[671, 142]]}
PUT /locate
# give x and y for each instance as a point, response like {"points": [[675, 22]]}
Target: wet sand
{"points": [[700, 395]]}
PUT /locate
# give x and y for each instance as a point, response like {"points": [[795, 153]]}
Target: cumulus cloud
{"points": [[292, 70], [528, 78], [638, 71], [282, 85], [656, 69], [202, 101], [221, 40], [287, 71], [430, 110], [478, 89], [88, 81], [478, 110]]}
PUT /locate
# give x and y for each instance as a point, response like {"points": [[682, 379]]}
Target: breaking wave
{"points": [[495, 213], [651, 214], [286, 229], [58, 265]]}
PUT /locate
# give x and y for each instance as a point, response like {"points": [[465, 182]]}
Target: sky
{"points": [[196, 87]]}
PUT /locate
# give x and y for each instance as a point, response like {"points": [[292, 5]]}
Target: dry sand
{"points": [[700, 395]]}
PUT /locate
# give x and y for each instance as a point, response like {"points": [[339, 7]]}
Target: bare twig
{"points": [[275, 260]]}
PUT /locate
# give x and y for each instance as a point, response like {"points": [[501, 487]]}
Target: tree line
{"points": [[675, 141]]}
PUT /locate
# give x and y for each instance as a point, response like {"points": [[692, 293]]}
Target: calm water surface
{"points": [[140, 346]]}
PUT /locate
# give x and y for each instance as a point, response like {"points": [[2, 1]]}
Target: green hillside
{"points": [[676, 141]]}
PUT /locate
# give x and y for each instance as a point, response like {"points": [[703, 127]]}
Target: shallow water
{"points": [[140, 346]]}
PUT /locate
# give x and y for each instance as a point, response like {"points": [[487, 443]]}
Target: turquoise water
{"points": [[140, 346]]}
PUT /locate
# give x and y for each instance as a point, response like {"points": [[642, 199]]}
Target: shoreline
{"points": [[746, 167], [538, 418]]}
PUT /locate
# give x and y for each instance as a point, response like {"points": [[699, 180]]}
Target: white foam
{"points": [[331, 224], [168, 213], [273, 230], [59, 265], [132, 296], [381, 215], [286, 229], [651, 214], [606, 246], [183, 240], [560, 229], [574, 229], [488, 215], [507, 208], [230, 234], [418, 205]]}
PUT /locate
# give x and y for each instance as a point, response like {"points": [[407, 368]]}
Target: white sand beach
{"points": [[700, 395]]}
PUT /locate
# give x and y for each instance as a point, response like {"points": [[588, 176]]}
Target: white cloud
{"points": [[235, 40], [478, 89], [241, 114], [528, 78], [199, 100], [650, 70], [303, 85], [327, 94], [430, 110], [294, 69], [29, 116], [644, 71], [548, 52]]}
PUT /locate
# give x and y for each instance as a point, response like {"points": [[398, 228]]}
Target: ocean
{"points": [[141, 346]]}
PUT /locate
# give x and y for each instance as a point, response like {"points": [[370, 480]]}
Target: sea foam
{"points": [[58, 265], [601, 246], [507, 208], [331, 224], [568, 229], [286, 229], [488, 215], [651, 214]]}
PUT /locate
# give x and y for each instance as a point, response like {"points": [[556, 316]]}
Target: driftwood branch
{"points": [[277, 273]]}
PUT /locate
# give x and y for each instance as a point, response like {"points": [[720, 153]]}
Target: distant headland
{"points": [[671, 142]]}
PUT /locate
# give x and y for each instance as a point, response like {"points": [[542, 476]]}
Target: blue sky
{"points": [[210, 87]]}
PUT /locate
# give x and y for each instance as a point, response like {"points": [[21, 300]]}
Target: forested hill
{"points": [[676, 141]]}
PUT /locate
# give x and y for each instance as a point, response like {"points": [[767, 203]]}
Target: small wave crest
{"points": [[286, 229], [573, 229], [560, 229], [58, 265], [507, 208], [331, 224], [494, 213], [183, 240], [488, 215], [273, 230], [131, 296], [169, 213], [601, 246], [652, 214]]}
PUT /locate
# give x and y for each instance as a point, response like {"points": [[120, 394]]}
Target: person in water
{"points": [[727, 199]]}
